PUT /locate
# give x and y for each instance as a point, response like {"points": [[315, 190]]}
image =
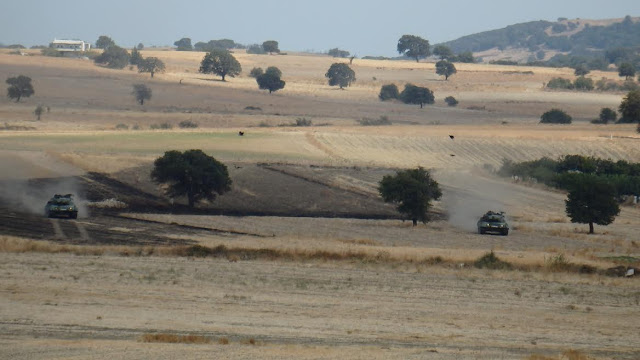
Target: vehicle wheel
{"points": [[74, 216], [481, 231], [505, 232]]}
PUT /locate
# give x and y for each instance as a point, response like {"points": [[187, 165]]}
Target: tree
{"points": [[583, 83], [412, 190], [388, 92], [38, 111], [627, 70], [630, 107], [466, 57], [270, 80], [192, 173], [113, 57], [221, 63], [141, 93], [270, 46], [140, 46], [416, 95], [135, 57], [104, 42], [555, 116], [413, 47], [19, 87], [451, 101], [443, 51], [340, 74], [183, 44], [581, 70], [591, 200], [446, 68], [607, 115], [335, 52], [151, 65], [255, 72]]}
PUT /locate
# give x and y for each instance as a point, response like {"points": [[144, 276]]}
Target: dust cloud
{"points": [[32, 195]]}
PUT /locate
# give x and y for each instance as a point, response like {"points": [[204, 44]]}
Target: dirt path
{"points": [[284, 306]]}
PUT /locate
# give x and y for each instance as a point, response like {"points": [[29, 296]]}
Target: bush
{"points": [[383, 120], [162, 126], [122, 127], [303, 122], [255, 72], [607, 85], [255, 49], [555, 116], [560, 83], [583, 83], [491, 261], [388, 92], [607, 115], [51, 52], [188, 124], [451, 101], [629, 85]]}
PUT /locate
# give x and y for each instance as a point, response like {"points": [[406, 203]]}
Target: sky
{"points": [[362, 27]]}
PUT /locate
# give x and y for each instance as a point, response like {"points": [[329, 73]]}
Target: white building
{"points": [[70, 45]]}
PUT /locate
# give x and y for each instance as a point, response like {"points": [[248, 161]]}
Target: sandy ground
{"points": [[52, 308]]}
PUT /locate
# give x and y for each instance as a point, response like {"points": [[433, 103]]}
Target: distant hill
{"points": [[540, 40]]}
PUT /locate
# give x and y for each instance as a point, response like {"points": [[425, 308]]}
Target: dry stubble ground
{"points": [[61, 306]]}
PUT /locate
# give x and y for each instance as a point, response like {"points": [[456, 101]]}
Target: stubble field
{"points": [[301, 190]]}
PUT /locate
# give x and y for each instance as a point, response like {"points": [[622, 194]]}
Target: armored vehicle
{"points": [[494, 222], [61, 205]]}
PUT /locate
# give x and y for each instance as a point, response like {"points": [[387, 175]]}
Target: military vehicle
{"points": [[61, 205], [494, 222]]}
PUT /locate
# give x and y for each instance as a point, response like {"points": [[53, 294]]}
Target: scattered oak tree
{"points": [[592, 200], [270, 80], [413, 46], [445, 68], [255, 72], [192, 173], [141, 92], [451, 101], [443, 51], [221, 63], [412, 190], [630, 107], [466, 57], [151, 65], [607, 115], [417, 95], [337, 53], [581, 70], [183, 44], [555, 116], [135, 57], [627, 70], [388, 92], [270, 46], [104, 42], [340, 74], [19, 87], [113, 57]]}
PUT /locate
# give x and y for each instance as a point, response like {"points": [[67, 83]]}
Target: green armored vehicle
{"points": [[61, 205], [493, 222]]}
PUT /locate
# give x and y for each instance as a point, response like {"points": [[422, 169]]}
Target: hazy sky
{"points": [[363, 27]]}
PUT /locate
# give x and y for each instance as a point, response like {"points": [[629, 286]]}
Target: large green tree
{"points": [[221, 63], [104, 42], [151, 65], [135, 57], [340, 74], [113, 57], [412, 191], [628, 70], [19, 87], [270, 80], [270, 46], [193, 174], [413, 47], [630, 107], [592, 200], [183, 44], [417, 95], [443, 51], [445, 68]]}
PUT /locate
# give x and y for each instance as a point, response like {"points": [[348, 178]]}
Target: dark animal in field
{"points": [[240, 133], [451, 136]]}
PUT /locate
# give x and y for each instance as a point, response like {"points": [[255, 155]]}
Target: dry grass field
{"points": [[317, 265]]}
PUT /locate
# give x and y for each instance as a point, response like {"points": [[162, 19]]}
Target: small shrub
{"points": [[253, 108], [607, 115], [162, 126], [629, 85], [255, 72], [122, 127], [303, 122], [188, 124], [491, 261], [560, 83], [135, 127], [583, 83], [264, 124], [382, 120], [388, 92], [451, 101], [51, 52], [175, 339], [555, 116], [607, 85]]}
